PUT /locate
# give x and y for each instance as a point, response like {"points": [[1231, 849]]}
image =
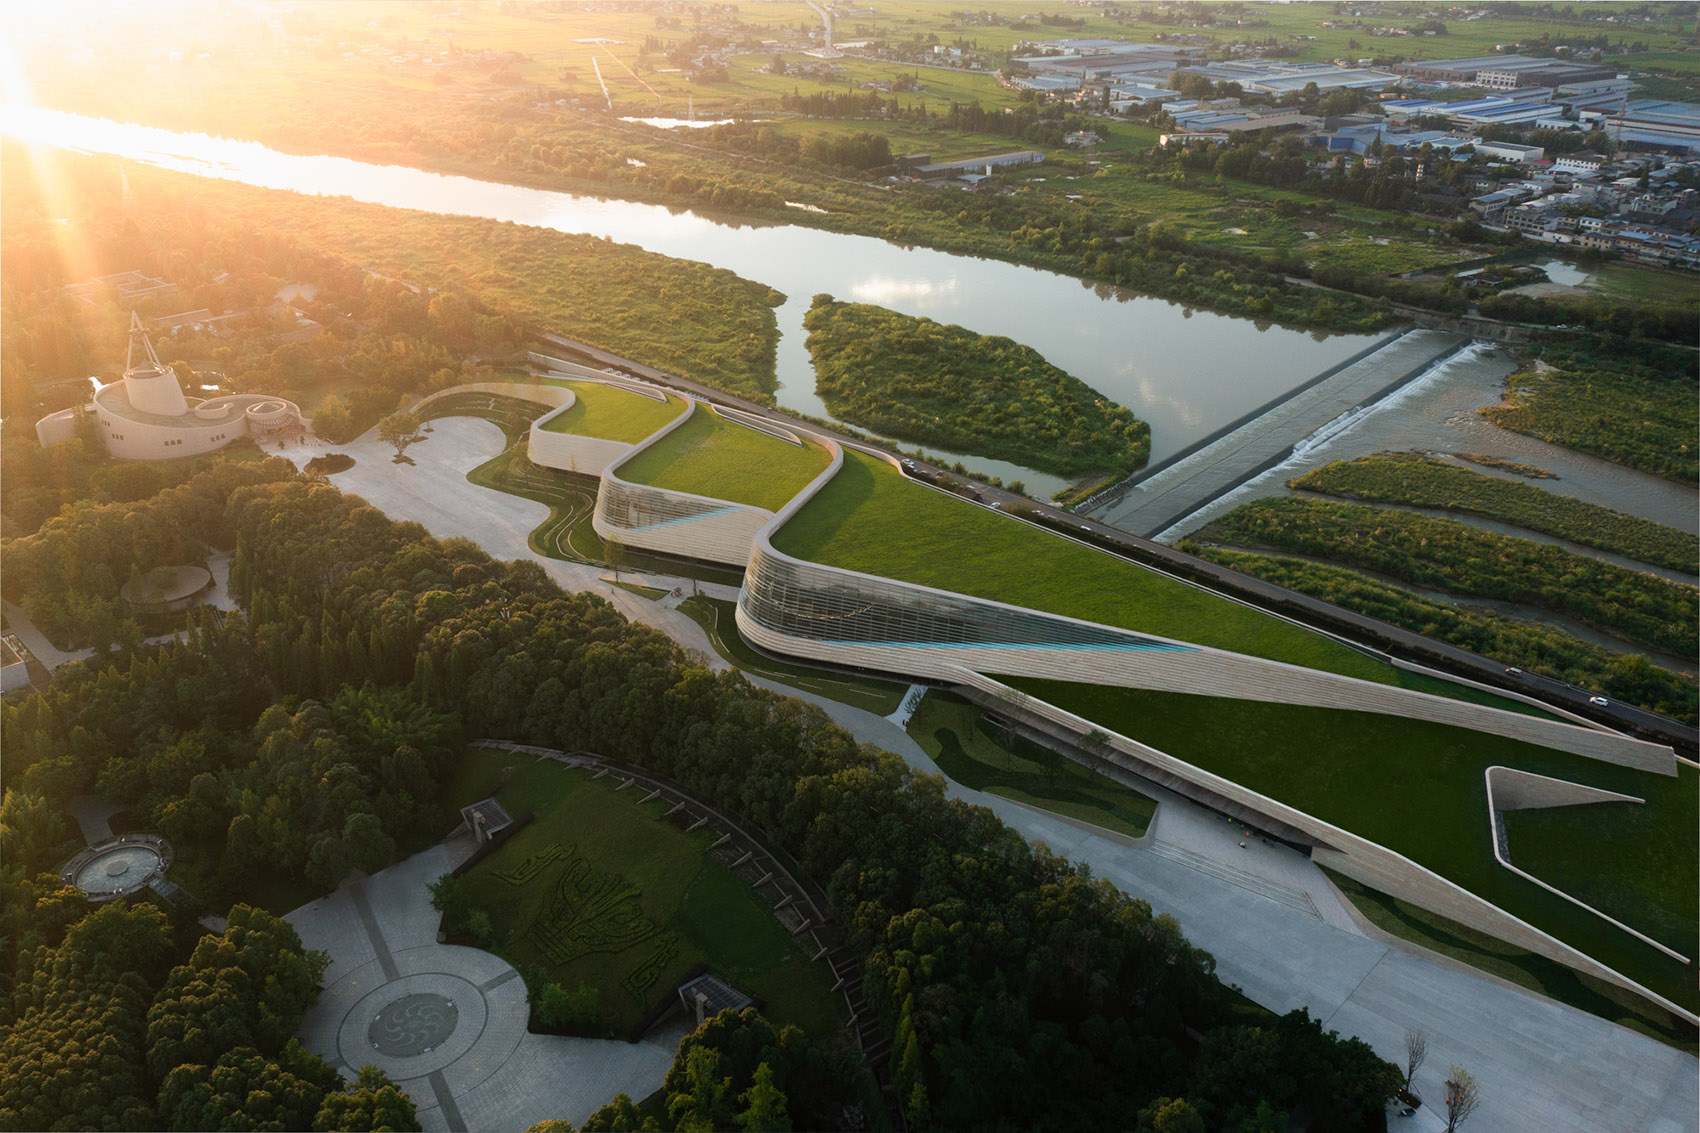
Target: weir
{"points": [[1169, 493]]}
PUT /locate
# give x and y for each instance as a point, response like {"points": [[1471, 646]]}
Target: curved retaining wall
{"points": [[847, 617], [672, 522], [1337, 849], [574, 452]]}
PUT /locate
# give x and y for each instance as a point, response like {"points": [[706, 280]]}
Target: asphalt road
{"points": [[1355, 629]]}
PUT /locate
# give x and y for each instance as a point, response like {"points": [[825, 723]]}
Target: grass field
{"points": [[613, 414], [1508, 962], [1420, 481], [601, 891], [718, 618], [712, 456], [1650, 425], [974, 753], [869, 518], [1417, 788]]}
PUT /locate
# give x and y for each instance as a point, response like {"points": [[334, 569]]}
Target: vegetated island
{"points": [[1634, 406], [1420, 481], [985, 395]]}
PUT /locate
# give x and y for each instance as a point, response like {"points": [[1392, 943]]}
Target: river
{"points": [[1187, 372]]}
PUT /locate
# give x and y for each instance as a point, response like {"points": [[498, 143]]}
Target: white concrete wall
{"points": [[722, 531], [1339, 849]]}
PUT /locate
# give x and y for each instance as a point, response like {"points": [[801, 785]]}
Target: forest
{"points": [[983, 395], [1035, 997]]}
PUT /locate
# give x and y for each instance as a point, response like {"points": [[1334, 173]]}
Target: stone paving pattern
{"points": [[1542, 1065], [490, 1073]]}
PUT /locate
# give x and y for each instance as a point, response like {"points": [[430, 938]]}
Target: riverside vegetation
{"points": [[1637, 407], [381, 635], [1628, 677], [1462, 559], [1421, 481], [984, 395]]}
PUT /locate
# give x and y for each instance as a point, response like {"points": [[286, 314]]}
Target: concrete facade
{"points": [[672, 522]]}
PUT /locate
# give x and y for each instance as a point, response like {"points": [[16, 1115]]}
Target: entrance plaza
{"points": [[448, 1024], [1549, 1066]]}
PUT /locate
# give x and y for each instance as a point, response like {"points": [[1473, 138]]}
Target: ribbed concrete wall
{"points": [[1185, 668], [1337, 849], [672, 522]]}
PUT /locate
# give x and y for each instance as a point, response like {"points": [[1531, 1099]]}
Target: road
{"points": [[1543, 1065], [1357, 629]]}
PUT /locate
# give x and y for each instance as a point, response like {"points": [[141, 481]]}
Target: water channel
{"points": [[1186, 372]]}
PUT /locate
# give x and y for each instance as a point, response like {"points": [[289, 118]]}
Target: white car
{"points": [[1599, 700]]}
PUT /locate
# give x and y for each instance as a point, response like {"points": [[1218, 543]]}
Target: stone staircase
{"points": [[1286, 895]]}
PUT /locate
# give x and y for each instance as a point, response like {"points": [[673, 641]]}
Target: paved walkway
{"points": [[448, 1024], [1542, 1065], [1181, 489]]}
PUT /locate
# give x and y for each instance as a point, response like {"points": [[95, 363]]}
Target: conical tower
{"points": [[151, 386]]}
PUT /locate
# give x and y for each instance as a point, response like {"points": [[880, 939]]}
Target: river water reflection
{"points": [[1186, 372]]}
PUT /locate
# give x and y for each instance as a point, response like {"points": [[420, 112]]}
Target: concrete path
{"points": [[1542, 1065], [448, 1024], [1184, 487], [93, 816]]}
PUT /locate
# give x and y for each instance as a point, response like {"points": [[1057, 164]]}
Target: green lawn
{"points": [[1417, 788], [869, 518], [712, 456], [1508, 962], [632, 900], [976, 754], [613, 414], [718, 618]]}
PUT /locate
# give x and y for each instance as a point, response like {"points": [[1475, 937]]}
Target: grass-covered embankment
{"points": [[1640, 411], [601, 892], [976, 753], [1421, 481], [870, 518], [950, 387], [1628, 677], [613, 414], [712, 456], [1450, 555], [1418, 788]]}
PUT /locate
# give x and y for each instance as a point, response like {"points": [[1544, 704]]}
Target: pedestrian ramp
{"points": [[1286, 895]]}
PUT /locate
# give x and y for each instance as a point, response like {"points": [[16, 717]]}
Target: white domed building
{"points": [[145, 416]]}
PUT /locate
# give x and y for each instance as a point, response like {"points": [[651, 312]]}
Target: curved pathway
{"points": [[1542, 1065], [448, 1024]]}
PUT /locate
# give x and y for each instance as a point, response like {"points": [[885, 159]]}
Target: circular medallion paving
{"points": [[413, 1024]]}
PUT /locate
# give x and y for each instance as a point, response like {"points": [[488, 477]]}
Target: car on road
{"points": [[1598, 700]]}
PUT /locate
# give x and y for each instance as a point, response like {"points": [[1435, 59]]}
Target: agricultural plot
{"points": [[600, 891], [712, 456], [1417, 788]]}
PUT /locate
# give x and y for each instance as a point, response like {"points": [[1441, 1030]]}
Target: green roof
{"points": [[712, 456], [613, 414]]}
